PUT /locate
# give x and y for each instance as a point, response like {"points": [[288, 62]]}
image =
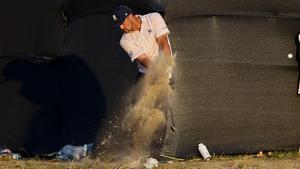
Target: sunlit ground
{"points": [[276, 160]]}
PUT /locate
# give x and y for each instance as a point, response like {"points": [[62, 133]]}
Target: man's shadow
{"points": [[70, 100]]}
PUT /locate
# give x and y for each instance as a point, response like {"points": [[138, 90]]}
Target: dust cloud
{"points": [[140, 124], [149, 112]]}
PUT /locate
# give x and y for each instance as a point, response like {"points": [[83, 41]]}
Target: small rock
{"points": [[260, 154], [270, 154], [150, 163]]}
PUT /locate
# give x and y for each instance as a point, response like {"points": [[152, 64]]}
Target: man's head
{"points": [[124, 19]]}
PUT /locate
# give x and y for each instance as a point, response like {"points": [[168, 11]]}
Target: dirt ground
{"points": [[278, 161]]}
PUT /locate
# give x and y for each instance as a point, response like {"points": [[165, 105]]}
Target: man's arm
{"points": [[144, 60], [165, 48], [135, 52], [164, 45]]}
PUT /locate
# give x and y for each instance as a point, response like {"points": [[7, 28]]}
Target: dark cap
{"points": [[120, 13]]}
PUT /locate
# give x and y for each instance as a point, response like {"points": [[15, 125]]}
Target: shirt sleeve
{"points": [[132, 49], [160, 27]]}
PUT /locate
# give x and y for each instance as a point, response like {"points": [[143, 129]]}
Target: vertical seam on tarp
{"points": [[65, 25]]}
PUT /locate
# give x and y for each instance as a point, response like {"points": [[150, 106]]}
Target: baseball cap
{"points": [[120, 13]]}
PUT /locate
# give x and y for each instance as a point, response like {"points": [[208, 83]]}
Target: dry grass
{"points": [[278, 160]]}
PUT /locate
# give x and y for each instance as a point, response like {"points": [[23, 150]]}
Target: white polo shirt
{"points": [[144, 41]]}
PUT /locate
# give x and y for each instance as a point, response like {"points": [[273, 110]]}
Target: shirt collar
{"points": [[143, 19]]}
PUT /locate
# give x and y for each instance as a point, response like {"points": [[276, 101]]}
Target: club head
{"points": [[173, 128]]}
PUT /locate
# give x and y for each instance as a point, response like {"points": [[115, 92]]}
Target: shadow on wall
{"points": [[70, 101], [83, 102]]}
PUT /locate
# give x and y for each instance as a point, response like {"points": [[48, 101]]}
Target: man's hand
{"points": [[172, 81]]}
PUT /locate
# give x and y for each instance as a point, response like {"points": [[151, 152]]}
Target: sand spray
{"points": [[148, 112]]}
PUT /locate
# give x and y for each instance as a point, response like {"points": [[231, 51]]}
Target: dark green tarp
{"points": [[236, 89]]}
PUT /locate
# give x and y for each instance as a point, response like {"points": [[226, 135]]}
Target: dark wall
{"points": [[36, 28], [75, 9], [94, 39], [236, 88], [48, 104], [179, 8], [31, 28], [29, 99]]}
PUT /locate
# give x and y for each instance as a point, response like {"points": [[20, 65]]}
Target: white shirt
{"points": [[144, 41]]}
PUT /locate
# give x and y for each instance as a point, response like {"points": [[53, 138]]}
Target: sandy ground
{"points": [[242, 162], [239, 164]]}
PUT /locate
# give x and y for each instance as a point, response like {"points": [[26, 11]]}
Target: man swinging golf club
{"points": [[145, 37]]}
